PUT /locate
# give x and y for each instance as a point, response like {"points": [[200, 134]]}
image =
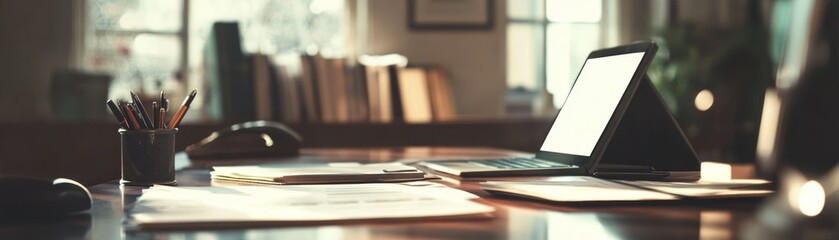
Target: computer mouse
{"points": [[248, 139], [31, 196]]}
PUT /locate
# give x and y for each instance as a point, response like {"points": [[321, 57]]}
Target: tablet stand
{"points": [[649, 136]]}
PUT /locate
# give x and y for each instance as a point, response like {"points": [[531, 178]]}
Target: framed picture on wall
{"points": [[450, 14]]}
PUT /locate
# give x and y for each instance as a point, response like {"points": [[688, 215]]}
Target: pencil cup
{"points": [[148, 156]]}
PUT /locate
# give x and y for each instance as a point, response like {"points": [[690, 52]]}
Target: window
{"points": [[548, 41], [149, 45], [137, 41]]}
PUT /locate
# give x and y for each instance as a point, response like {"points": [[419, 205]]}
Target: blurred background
{"points": [[487, 72]]}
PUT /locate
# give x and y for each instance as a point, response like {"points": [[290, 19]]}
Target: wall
{"points": [[36, 37], [475, 58]]}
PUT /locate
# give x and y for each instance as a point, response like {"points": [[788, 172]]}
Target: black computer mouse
{"points": [[248, 139], [30, 196]]}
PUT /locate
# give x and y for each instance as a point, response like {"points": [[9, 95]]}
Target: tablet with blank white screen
{"points": [[583, 127], [591, 104]]}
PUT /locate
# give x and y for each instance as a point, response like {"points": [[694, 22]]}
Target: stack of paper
{"points": [[162, 207], [379, 172], [589, 189]]}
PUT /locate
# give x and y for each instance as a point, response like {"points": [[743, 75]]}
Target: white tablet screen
{"points": [[590, 104]]}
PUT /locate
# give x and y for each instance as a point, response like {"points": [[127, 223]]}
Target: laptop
{"points": [[583, 128]]}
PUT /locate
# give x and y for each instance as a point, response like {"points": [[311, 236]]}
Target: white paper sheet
{"points": [[376, 172], [175, 207], [590, 189], [709, 189], [577, 189]]}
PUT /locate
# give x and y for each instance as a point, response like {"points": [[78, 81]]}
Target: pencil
{"points": [[141, 111], [131, 119], [162, 115], [156, 119], [182, 111]]}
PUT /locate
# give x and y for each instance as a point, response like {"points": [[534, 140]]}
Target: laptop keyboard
{"points": [[518, 163]]}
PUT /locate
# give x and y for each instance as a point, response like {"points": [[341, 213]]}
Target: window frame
{"points": [[542, 21]]}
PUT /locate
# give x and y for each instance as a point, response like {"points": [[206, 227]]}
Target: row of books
{"points": [[314, 88], [319, 89]]}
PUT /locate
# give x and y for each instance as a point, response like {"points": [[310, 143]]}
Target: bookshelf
{"points": [[313, 87]]}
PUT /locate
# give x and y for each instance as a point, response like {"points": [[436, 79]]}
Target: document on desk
{"points": [[360, 173], [163, 207], [576, 189]]}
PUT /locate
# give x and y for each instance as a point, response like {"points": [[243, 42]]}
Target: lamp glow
{"points": [[704, 100], [811, 198]]}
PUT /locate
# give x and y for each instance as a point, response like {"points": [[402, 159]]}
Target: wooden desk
{"points": [[515, 218]]}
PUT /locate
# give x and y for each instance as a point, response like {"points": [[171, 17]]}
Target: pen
{"points": [[182, 111], [143, 116], [162, 102], [131, 119], [139, 116], [117, 113], [162, 114], [156, 120]]}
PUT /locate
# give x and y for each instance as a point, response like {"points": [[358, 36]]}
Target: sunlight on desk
{"points": [[577, 225], [714, 225]]}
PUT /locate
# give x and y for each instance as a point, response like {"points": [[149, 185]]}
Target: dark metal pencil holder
{"points": [[148, 156]]}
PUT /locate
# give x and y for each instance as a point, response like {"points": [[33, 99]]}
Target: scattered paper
{"points": [[576, 189], [377, 172], [591, 189], [185, 207], [708, 189]]}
